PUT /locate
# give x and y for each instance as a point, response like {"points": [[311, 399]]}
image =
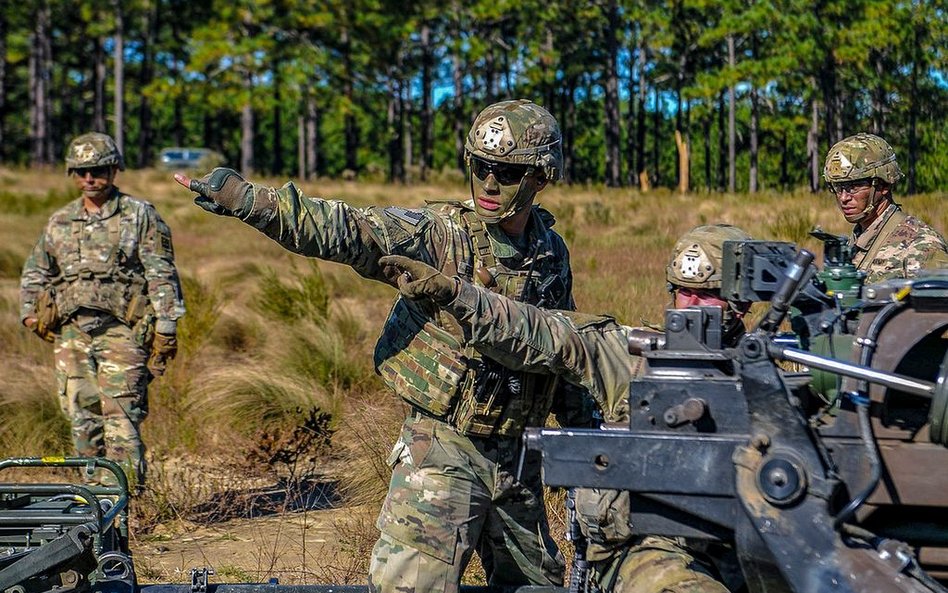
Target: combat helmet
{"points": [[93, 149], [861, 156], [519, 132], [696, 259]]}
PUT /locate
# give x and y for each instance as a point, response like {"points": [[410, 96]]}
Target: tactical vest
{"points": [[422, 356], [94, 275]]}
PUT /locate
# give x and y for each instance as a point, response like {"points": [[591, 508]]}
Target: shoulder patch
{"points": [[412, 217]]}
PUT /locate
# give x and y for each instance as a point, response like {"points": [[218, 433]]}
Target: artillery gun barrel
{"points": [[902, 383]]}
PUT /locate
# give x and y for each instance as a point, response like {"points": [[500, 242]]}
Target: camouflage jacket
{"points": [[586, 350], [896, 245], [422, 353], [117, 260]]}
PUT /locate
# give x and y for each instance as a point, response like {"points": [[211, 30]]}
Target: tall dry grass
{"points": [[270, 338]]}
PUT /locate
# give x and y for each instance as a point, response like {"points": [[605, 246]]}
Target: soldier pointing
{"points": [[454, 488], [593, 351]]}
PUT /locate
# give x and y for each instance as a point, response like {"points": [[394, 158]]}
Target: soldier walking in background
{"points": [[593, 352], [454, 487], [886, 242], [101, 284]]}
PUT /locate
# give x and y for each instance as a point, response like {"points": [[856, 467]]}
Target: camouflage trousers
{"points": [[654, 565], [451, 495], [102, 382]]}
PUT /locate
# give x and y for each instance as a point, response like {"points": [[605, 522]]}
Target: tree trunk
{"points": [[427, 114], [145, 132], [312, 137], [396, 170], [119, 75], [656, 139], [813, 146], [722, 143], [784, 162], [913, 109], [640, 166], [351, 130], [246, 129], [3, 78], [490, 76], [277, 163], [460, 123], [39, 87], [683, 164], [828, 88], [878, 93], [630, 178], [568, 110], [301, 145], [706, 121], [731, 122], [612, 131], [99, 74], [752, 181], [404, 116]]}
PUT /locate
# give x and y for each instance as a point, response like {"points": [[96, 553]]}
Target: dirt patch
{"points": [[312, 547]]}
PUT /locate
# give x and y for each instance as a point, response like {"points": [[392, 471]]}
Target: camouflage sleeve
{"points": [[38, 272], [912, 246], [335, 231], [927, 252], [156, 253], [585, 350]]}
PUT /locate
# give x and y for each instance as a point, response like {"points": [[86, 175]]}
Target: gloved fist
{"points": [[417, 280], [163, 349], [222, 191]]}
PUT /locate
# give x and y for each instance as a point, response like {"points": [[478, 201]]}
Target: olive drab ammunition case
{"points": [[428, 365]]}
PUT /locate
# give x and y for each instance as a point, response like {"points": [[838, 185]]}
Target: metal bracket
{"points": [[199, 579]]}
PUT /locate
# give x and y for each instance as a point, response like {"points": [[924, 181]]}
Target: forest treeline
{"points": [[732, 95]]}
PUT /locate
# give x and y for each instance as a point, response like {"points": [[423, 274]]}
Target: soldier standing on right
{"points": [[886, 242]]}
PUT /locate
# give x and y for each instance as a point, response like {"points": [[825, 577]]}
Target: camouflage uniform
{"points": [[453, 489], [897, 245], [893, 244], [593, 352], [112, 276]]}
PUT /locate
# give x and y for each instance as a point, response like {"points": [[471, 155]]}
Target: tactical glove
{"points": [[47, 316], [417, 280], [224, 192], [163, 349]]}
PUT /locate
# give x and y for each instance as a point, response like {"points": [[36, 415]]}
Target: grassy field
{"points": [[274, 381]]}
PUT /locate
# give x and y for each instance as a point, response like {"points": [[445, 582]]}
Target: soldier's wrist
{"points": [[166, 327], [465, 299]]}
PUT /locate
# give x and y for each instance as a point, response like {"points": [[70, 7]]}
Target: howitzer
{"points": [[724, 445]]}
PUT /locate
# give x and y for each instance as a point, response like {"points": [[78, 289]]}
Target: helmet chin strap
{"points": [[873, 201]]}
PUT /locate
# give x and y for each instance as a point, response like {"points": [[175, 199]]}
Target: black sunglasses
{"points": [[100, 172], [504, 173]]}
